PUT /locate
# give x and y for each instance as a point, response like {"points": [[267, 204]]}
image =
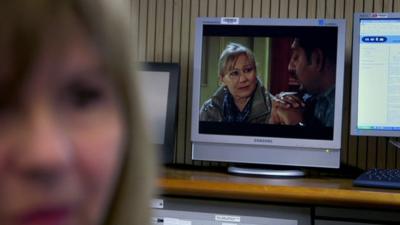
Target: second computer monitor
{"points": [[375, 107]]}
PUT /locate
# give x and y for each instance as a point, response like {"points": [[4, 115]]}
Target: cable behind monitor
{"points": [[395, 143]]}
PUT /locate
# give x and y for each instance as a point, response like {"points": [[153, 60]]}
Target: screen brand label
{"points": [[262, 140]]}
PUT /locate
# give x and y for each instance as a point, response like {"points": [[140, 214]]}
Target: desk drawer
{"points": [[328, 222], [185, 211], [350, 216]]}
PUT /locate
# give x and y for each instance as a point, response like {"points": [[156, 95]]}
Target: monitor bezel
{"points": [[167, 149], [354, 130], [335, 143]]}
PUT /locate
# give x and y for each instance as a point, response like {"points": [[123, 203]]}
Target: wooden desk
{"points": [[321, 191], [326, 201]]}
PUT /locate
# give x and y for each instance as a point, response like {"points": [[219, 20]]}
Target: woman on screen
{"points": [[71, 144], [241, 97]]}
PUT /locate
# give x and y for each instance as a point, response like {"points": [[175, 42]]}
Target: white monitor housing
{"points": [[375, 103], [264, 144]]}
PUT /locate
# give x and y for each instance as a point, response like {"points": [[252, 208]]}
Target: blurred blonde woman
{"points": [[71, 144]]}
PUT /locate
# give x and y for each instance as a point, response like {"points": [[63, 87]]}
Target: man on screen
{"points": [[313, 62]]}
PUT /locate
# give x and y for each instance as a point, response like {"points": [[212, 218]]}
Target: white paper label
{"points": [[157, 204], [380, 15], [223, 223], [175, 221], [230, 20], [227, 218]]}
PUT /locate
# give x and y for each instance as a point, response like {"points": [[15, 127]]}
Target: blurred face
{"points": [[241, 78], [61, 137], [307, 72]]}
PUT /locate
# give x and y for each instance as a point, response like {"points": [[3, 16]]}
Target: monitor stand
{"points": [[266, 172]]}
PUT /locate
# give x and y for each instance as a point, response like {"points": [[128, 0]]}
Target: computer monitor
{"points": [[245, 72], [375, 105], [158, 88]]}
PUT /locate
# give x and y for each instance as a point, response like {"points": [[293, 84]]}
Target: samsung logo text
{"points": [[261, 140]]}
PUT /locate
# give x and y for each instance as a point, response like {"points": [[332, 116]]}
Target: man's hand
{"points": [[287, 109]]}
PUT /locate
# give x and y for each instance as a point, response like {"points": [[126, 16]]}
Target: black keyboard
{"points": [[381, 178]]}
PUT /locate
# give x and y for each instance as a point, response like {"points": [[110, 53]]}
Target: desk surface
{"points": [[318, 191]]}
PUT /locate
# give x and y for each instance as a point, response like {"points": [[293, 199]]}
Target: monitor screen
{"points": [[375, 105], [158, 88], [267, 89]]}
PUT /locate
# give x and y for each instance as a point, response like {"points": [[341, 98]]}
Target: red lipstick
{"points": [[50, 216]]}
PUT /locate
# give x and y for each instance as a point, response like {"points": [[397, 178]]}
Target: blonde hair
{"points": [[229, 56], [21, 24]]}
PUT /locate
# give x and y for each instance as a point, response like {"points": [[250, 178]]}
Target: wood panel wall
{"points": [[163, 31]]}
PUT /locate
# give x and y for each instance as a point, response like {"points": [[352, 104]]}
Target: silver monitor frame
{"points": [[269, 150]]}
